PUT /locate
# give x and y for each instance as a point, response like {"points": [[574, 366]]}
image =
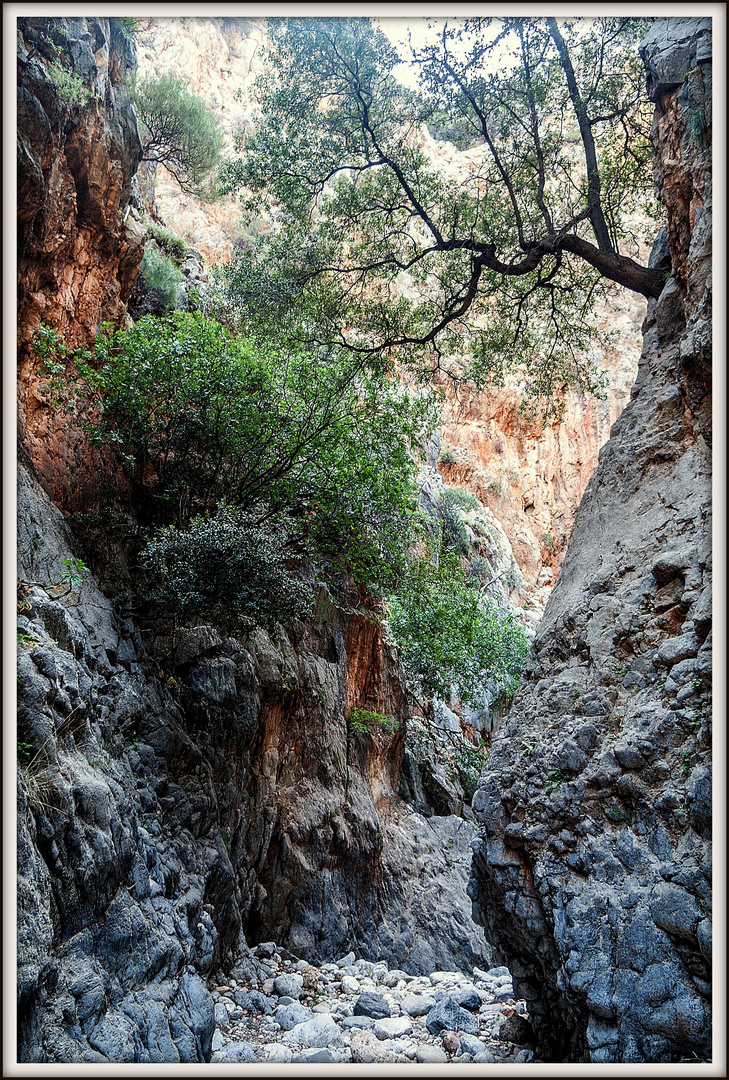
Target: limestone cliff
{"points": [[78, 148], [592, 875]]}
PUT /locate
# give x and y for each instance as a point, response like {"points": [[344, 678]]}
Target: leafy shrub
{"points": [[160, 275], [69, 86], [198, 415], [366, 722], [172, 244], [127, 26], [548, 540], [226, 568], [447, 456], [455, 536], [450, 637], [464, 500]]}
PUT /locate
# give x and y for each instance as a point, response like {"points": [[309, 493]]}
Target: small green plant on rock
{"points": [[460, 498], [366, 722], [69, 86], [163, 277], [447, 457], [557, 777], [172, 244], [72, 575], [548, 540]]}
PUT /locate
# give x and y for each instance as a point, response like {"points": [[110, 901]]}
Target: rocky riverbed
{"points": [[281, 1009]]}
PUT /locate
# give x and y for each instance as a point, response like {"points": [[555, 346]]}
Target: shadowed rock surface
{"points": [[592, 875], [163, 819]]}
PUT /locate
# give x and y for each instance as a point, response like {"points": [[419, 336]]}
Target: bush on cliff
{"points": [[451, 637], [198, 415], [179, 131], [227, 568]]}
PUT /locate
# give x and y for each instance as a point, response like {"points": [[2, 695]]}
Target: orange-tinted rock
{"points": [[76, 259]]}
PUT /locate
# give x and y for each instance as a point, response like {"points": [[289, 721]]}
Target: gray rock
{"points": [[288, 1016], [466, 996], [253, 1001], [417, 1004], [358, 1022], [314, 1057], [319, 1031], [675, 911], [485, 1057], [447, 1016], [430, 1055], [277, 1053], [471, 1045], [235, 1054], [288, 985], [373, 1005], [393, 1027]]}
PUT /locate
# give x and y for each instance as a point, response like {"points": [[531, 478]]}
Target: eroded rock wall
{"points": [[78, 252], [592, 875], [180, 799]]}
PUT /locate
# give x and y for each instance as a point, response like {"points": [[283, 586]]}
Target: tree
{"points": [[199, 415], [375, 248], [179, 131]]}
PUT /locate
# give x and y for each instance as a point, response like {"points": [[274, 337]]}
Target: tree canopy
{"points": [[199, 415], [179, 131], [375, 247]]}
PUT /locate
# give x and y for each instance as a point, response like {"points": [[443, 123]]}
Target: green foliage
{"points": [[450, 636], [503, 265], [172, 244], [447, 457], [557, 777], [366, 722], [127, 26], [227, 568], [454, 533], [179, 131], [457, 497], [69, 86], [548, 540], [698, 125], [161, 276], [24, 749], [73, 573], [198, 415]]}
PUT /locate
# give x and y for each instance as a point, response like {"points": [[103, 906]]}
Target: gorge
{"points": [[199, 817]]}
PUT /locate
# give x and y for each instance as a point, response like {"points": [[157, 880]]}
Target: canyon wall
{"points": [[178, 799], [592, 874], [78, 251]]}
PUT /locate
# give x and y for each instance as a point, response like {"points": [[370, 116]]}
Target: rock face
{"points": [[592, 875], [220, 57], [78, 148], [166, 814]]}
